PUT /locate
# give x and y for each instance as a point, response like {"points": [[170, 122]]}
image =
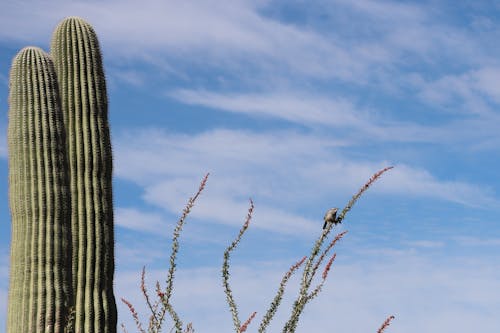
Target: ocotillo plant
{"points": [[163, 303], [60, 165]]}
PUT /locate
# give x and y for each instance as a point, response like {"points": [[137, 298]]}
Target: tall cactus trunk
{"points": [[78, 63], [40, 281]]}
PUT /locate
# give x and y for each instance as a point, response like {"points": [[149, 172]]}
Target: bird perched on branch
{"points": [[330, 217]]}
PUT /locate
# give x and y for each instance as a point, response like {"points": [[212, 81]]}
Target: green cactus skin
{"points": [[40, 281], [78, 62]]}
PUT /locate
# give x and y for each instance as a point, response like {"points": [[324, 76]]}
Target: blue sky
{"points": [[295, 104]]}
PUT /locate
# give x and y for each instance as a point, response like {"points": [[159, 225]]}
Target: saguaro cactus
{"points": [[78, 63], [40, 284], [62, 251]]}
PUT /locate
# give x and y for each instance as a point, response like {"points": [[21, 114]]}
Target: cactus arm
{"points": [[40, 291], [77, 57]]}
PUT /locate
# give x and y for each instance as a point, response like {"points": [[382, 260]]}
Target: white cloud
{"points": [[262, 51], [470, 92], [131, 77], [355, 125], [407, 32], [236, 30], [387, 10], [454, 93], [139, 252], [245, 164], [487, 81], [413, 181], [224, 208], [289, 106], [425, 244], [137, 220], [476, 241], [220, 151], [240, 36], [242, 40]]}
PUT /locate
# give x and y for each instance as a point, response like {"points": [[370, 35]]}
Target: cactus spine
{"points": [[40, 283], [62, 251], [78, 63]]}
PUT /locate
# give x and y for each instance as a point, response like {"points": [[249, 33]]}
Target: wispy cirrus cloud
{"points": [[410, 180], [137, 220], [354, 124], [428, 244], [413, 30], [242, 35], [243, 164], [477, 241], [224, 207], [243, 39], [131, 77], [237, 32], [288, 106], [471, 92]]}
